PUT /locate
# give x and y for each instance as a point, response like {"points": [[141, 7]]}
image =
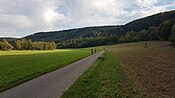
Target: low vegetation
{"points": [[104, 79], [19, 66]]}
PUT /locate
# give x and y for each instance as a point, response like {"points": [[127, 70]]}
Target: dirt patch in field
{"points": [[151, 69]]}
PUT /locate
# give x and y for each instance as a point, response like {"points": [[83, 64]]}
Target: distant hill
{"points": [[145, 23], [81, 37], [9, 39], [148, 28]]}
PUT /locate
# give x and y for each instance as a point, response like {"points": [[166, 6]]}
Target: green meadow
{"points": [[19, 66], [104, 79]]}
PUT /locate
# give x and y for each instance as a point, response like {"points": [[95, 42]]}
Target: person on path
{"points": [[92, 51], [95, 50]]}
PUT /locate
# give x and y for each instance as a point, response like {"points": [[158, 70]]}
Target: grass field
{"points": [[103, 79], [129, 70], [19, 66]]}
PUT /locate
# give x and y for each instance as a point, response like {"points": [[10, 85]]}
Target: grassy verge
{"points": [[103, 79], [19, 66]]}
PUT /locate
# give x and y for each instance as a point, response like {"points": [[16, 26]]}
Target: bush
{"points": [[4, 45]]}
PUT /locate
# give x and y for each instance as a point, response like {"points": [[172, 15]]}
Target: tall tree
{"points": [[165, 30], [153, 34], [173, 35], [18, 45]]}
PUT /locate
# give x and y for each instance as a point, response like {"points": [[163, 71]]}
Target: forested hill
{"points": [[9, 39], [80, 37], [147, 22], [155, 27]]}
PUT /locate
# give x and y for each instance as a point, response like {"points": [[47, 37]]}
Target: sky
{"points": [[19, 18]]}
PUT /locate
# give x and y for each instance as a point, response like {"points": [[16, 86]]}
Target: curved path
{"points": [[53, 84]]}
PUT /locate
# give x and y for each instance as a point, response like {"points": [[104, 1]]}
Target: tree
{"points": [[4, 45], [29, 44], [18, 45], [164, 30], [153, 33], [173, 35], [54, 45]]}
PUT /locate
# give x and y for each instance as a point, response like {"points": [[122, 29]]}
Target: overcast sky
{"points": [[23, 17]]}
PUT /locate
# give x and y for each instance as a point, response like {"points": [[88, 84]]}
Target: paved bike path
{"points": [[51, 85]]}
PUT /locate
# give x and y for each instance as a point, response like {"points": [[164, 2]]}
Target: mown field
{"points": [[129, 70], [19, 66]]}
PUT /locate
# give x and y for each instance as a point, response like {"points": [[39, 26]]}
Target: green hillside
{"points": [[8, 39], [81, 37], [155, 27], [147, 22]]}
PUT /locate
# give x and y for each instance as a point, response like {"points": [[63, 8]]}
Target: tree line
{"points": [[165, 31], [24, 44]]}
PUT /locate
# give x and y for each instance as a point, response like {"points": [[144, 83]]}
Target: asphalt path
{"points": [[53, 84]]}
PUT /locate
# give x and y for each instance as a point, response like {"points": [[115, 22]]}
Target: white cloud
{"points": [[23, 17], [146, 3]]}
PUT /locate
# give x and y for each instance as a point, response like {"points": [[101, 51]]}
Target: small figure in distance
{"points": [[146, 45], [104, 49], [92, 51], [95, 50]]}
